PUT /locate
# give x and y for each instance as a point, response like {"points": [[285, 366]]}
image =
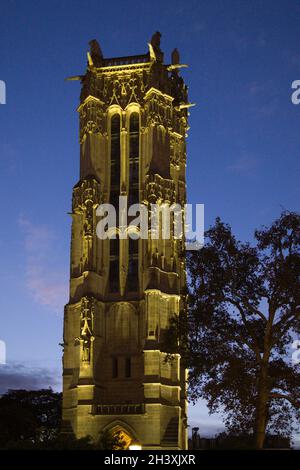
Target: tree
{"points": [[16, 424], [29, 416], [244, 309], [31, 419], [245, 441]]}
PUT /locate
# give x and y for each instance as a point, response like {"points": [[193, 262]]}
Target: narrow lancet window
{"points": [[114, 253], [133, 265], [115, 367], [115, 157], [127, 367], [134, 144]]}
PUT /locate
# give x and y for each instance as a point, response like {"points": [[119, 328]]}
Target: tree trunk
{"points": [[261, 409]]}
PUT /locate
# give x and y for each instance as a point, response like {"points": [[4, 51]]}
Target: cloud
{"points": [[37, 237], [47, 285], [18, 376]]}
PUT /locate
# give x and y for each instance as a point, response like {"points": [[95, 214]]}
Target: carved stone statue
{"points": [[86, 328], [88, 222], [175, 58], [96, 53], [155, 40], [155, 44]]}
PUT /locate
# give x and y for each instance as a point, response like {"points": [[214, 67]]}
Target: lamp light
{"points": [[135, 445]]}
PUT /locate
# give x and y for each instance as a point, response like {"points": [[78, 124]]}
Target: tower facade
{"points": [[124, 290]]}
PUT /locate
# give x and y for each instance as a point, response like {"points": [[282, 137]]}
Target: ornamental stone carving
{"points": [[85, 194], [86, 339]]}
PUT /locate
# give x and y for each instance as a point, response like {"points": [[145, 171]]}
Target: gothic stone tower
{"points": [[123, 292]]}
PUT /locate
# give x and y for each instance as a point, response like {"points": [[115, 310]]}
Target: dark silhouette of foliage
{"points": [[244, 308], [32, 416], [31, 419], [246, 441], [58, 442], [16, 423]]}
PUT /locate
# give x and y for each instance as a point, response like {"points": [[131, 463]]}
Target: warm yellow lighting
{"points": [[147, 160], [135, 446]]}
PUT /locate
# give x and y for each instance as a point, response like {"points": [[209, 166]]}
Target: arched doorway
{"points": [[118, 436], [121, 439]]}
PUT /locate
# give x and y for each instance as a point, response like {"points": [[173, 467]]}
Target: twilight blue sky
{"points": [[243, 145]]}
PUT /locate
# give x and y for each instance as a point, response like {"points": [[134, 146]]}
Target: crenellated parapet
{"points": [[122, 80]]}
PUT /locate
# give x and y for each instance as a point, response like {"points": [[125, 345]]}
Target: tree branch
{"points": [[255, 346], [253, 309], [295, 403]]}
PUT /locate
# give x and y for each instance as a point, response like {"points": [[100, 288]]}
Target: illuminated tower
{"points": [[123, 292]]}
